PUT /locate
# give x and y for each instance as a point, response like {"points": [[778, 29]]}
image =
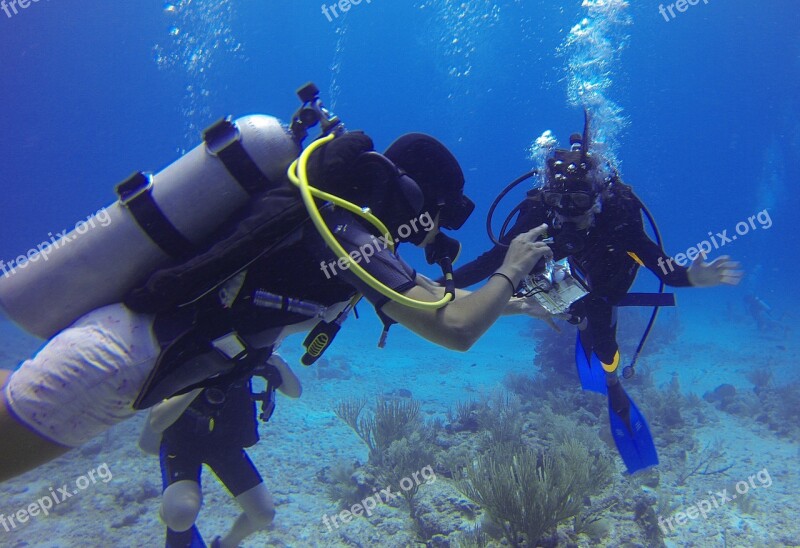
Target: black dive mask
{"points": [[569, 204], [570, 189], [442, 247], [455, 211]]}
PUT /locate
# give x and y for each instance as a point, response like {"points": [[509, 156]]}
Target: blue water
{"points": [[700, 111]]}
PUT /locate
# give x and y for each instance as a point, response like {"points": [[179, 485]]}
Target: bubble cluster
{"points": [[592, 49], [336, 64], [539, 151], [198, 37], [463, 23]]}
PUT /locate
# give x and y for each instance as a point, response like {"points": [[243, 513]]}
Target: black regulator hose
{"points": [[630, 370], [511, 186]]}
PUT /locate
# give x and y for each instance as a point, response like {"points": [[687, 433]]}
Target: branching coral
{"points": [[529, 494], [392, 420]]}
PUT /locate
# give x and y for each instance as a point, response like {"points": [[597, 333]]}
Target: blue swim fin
{"points": [[630, 431], [590, 370], [185, 539]]}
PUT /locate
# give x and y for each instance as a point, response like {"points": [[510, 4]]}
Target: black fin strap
{"points": [[135, 194]]}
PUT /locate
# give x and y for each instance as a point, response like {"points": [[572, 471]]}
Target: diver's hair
{"points": [[616, 191]]}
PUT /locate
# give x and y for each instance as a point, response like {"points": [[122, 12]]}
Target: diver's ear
{"points": [[373, 176], [393, 196]]}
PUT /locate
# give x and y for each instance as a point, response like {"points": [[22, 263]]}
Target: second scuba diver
{"points": [[596, 222]]}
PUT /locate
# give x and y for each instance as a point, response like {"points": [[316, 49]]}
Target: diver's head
{"points": [[432, 167], [572, 193], [572, 185], [415, 187]]}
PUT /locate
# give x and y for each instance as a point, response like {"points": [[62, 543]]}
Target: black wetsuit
{"points": [[604, 262], [215, 430]]}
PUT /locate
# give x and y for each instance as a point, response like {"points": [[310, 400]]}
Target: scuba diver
{"points": [[206, 265], [764, 316], [596, 223], [215, 429]]}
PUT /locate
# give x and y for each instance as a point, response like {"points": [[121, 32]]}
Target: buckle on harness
{"points": [[220, 136], [134, 186], [230, 346]]}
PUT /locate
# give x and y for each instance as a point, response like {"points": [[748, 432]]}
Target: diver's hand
{"points": [[718, 271], [531, 307], [523, 254]]}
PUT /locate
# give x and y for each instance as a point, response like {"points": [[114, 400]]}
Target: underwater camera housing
{"points": [[554, 287]]}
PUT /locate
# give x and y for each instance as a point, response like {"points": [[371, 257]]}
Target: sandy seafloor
{"points": [[305, 435]]}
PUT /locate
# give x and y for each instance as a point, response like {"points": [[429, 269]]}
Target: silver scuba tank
{"points": [[157, 217]]}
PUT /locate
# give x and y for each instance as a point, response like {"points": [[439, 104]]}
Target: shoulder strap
{"points": [[271, 220]]}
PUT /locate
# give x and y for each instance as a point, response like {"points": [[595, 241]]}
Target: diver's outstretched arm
{"points": [[461, 323]]}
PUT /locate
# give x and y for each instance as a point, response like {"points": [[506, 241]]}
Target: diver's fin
{"points": [[191, 538], [590, 370], [630, 431]]}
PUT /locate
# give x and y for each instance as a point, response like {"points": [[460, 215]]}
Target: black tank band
{"points": [[223, 140], [136, 195]]}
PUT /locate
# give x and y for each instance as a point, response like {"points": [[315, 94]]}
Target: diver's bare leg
{"points": [[21, 449], [259, 513]]}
